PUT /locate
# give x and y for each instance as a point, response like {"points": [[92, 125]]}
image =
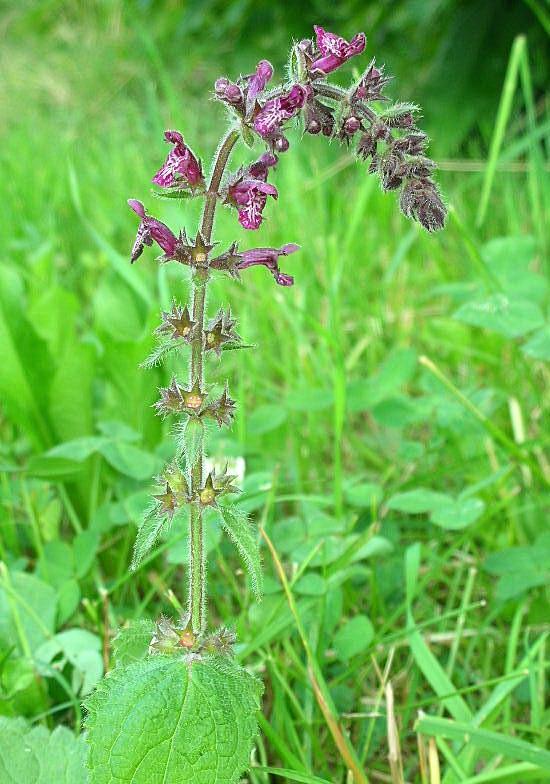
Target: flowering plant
{"points": [[177, 706]]}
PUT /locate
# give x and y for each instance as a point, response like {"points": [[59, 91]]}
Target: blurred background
{"points": [[397, 396]]}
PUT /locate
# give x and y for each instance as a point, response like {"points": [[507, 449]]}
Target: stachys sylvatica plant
{"points": [[177, 707]]}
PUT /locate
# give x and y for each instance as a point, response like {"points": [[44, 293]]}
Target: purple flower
{"points": [[257, 83], [180, 164], [149, 230], [269, 257], [276, 111], [249, 193], [335, 50]]}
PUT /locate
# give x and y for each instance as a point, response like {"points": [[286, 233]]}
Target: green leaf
{"points": [[291, 775], [81, 649], [457, 514], [444, 510], [392, 375], [496, 742], [34, 756], [520, 568], [418, 501], [354, 637], [85, 546], [78, 449], [27, 610], [46, 467], [247, 135], [509, 317], [265, 419], [161, 351], [130, 460], [166, 719], [423, 656], [131, 644], [148, 533], [311, 584], [238, 527], [366, 494], [538, 345]]}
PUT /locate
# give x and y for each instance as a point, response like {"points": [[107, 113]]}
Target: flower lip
{"points": [[277, 111], [173, 137], [180, 166], [137, 207]]}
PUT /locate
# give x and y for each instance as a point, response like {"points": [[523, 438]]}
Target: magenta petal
{"points": [[289, 248], [165, 176], [265, 187], [137, 207], [283, 279], [356, 45], [335, 50], [250, 216], [174, 137], [258, 81], [162, 235]]}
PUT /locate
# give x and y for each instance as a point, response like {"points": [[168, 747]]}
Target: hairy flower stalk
{"points": [[385, 135], [361, 115], [197, 566]]}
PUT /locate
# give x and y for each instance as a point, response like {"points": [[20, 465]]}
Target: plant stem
{"points": [[197, 555]]}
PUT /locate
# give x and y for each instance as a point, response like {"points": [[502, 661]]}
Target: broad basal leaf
{"points": [[237, 525], [166, 721], [34, 756]]}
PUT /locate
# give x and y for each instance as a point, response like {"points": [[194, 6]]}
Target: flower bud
{"points": [[282, 144], [352, 125], [221, 85], [313, 126]]}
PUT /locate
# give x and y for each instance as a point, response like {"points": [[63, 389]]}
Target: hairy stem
{"points": [[197, 556]]}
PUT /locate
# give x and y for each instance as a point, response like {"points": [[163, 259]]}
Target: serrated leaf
{"points": [[131, 644], [148, 533], [34, 756], [174, 194], [169, 720], [238, 527], [160, 351]]}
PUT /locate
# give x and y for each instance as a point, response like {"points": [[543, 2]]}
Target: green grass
{"points": [[393, 418]]}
